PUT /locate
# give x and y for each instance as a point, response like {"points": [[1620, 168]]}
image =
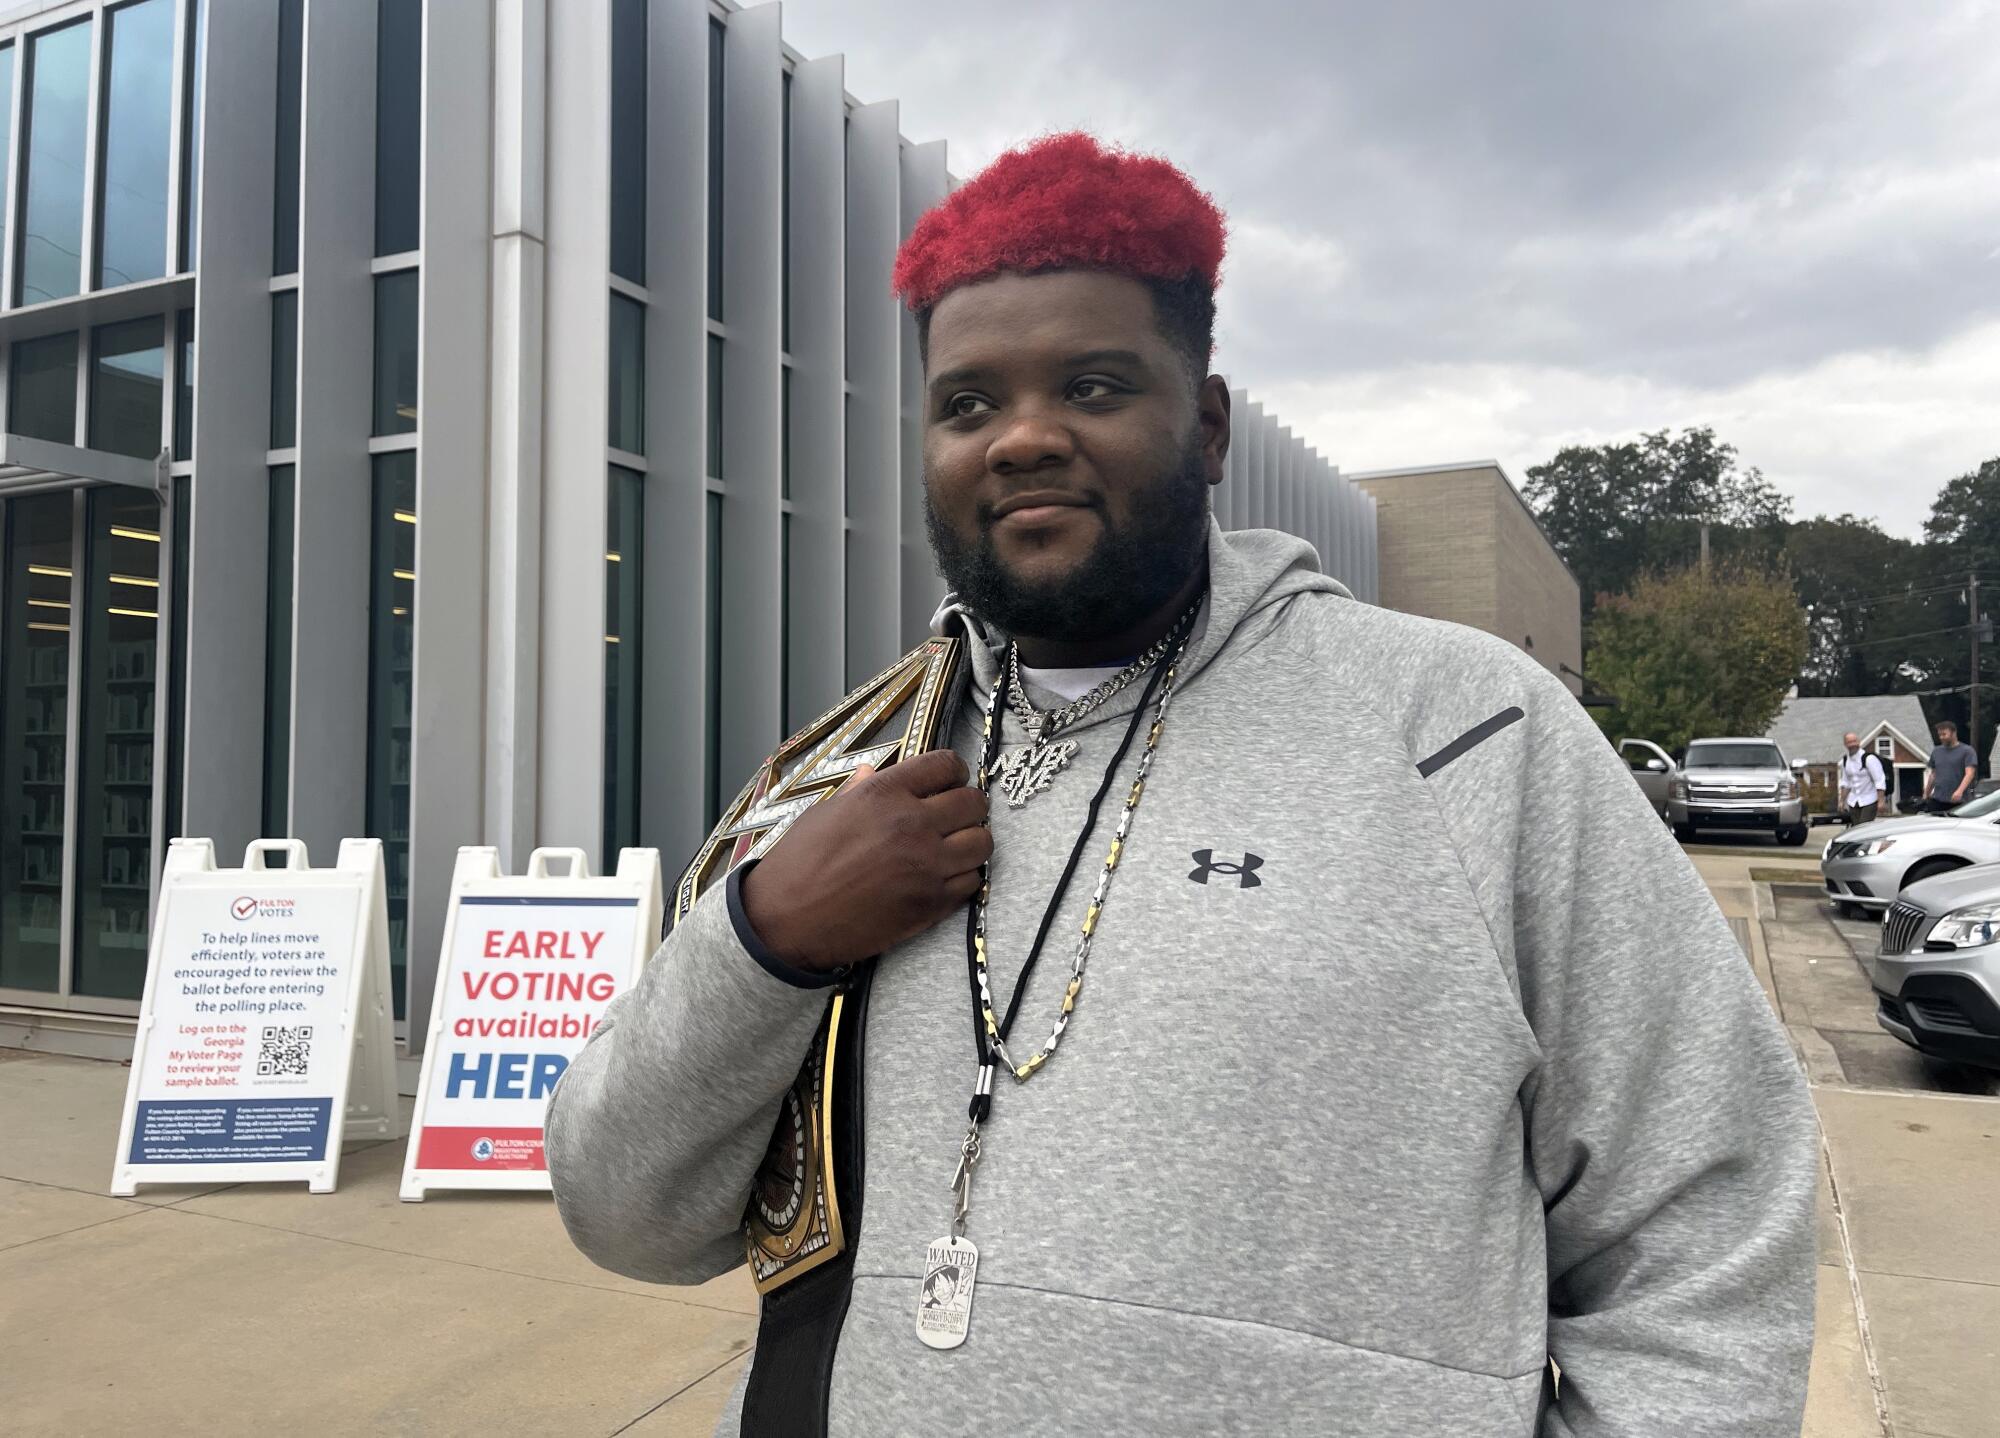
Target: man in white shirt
{"points": [[1861, 782]]}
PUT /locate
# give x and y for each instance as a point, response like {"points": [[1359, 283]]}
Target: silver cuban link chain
{"points": [[1026, 771]]}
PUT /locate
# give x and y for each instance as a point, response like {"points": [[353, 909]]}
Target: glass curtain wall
{"points": [[393, 549], [49, 264], [41, 380], [137, 120], [624, 576], [278, 656], [115, 829], [34, 739], [128, 387], [392, 606]]}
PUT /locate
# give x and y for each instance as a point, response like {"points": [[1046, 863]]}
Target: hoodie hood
{"points": [[1252, 575]]}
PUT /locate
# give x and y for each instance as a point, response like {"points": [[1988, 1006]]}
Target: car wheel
{"points": [[1684, 832], [1930, 869], [1846, 910], [1792, 837]]}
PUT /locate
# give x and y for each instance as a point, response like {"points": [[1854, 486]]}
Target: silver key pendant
{"points": [[944, 1306]]}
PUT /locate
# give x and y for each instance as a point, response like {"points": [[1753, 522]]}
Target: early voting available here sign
{"points": [[264, 1035], [528, 967]]}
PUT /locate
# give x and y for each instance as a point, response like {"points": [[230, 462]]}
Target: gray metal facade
{"points": [[767, 403]]}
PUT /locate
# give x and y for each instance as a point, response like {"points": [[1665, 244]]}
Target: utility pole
{"points": [[1704, 549], [1972, 601]]}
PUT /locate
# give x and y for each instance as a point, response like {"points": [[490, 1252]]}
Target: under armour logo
{"points": [[1247, 870]]}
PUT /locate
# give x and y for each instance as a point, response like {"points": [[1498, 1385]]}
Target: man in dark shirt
{"points": [[1952, 770]]}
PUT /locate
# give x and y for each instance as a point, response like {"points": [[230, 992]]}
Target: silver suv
{"points": [[1937, 975], [1736, 784]]}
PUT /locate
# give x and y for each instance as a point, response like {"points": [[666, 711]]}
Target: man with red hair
{"points": [[1413, 1053]]}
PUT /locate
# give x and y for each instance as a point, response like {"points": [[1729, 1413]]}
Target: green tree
{"points": [[1616, 511], [1688, 654], [1861, 589], [1962, 537]]}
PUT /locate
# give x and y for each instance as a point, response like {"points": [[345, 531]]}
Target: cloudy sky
{"points": [[1471, 230]]}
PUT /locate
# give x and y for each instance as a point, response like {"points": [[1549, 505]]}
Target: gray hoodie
{"points": [[1473, 1077]]}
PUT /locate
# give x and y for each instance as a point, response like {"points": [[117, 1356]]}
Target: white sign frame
{"points": [[365, 1072], [478, 874]]}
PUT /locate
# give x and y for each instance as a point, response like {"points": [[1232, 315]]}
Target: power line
{"points": [[1893, 595], [1903, 639]]}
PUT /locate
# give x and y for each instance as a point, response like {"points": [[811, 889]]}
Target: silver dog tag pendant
{"points": [[944, 1304]]}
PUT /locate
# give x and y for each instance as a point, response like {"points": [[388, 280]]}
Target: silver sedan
{"points": [[1937, 974], [1867, 866]]}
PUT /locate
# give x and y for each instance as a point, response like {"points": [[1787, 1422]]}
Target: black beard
{"points": [[1128, 577]]}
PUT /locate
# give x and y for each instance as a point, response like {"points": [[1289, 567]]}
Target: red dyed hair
{"points": [[1064, 202]]}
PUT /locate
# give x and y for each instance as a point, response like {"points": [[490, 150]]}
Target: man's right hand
{"points": [[882, 861]]}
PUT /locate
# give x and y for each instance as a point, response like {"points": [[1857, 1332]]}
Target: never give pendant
{"points": [[944, 1303], [1026, 771]]}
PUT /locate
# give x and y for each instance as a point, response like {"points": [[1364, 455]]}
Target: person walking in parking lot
{"points": [[1861, 782], [1413, 1053], [1949, 776]]}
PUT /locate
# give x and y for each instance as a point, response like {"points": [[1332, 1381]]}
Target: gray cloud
{"points": [[1691, 205]]}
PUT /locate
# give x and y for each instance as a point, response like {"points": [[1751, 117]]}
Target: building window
{"points": [[184, 388], [285, 367], [1885, 747], [114, 849], [715, 169], [624, 575], [128, 387], [715, 406], [34, 740], [41, 400], [138, 116], [54, 164], [627, 407], [399, 100], [712, 665], [396, 353], [392, 607], [291, 94], [194, 81], [279, 565], [628, 139]]}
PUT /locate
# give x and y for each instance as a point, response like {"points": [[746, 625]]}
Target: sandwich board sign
{"points": [[265, 1034], [528, 965]]}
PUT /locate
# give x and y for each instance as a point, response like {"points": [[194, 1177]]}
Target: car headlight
{"points": [[1788, 789], [1965, 928], [1678, 789], [1867, 847]]}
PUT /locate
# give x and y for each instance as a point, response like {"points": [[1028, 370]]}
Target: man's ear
{"points": [[1212, 414]]}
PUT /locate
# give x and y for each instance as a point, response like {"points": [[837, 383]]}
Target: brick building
{"points": [[1457, 542]]}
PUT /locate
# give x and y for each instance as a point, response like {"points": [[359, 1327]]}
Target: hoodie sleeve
{"points": [[1668, 1125], [655, 1131]]}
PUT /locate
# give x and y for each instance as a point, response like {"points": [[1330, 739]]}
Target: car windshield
{"points": [[1734, 756], [1978, 808]]}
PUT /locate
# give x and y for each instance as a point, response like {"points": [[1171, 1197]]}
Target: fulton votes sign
{"points": [[528, 968]]}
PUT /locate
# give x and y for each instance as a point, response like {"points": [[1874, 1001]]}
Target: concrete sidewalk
{"points": [[244, 1309], [261, 1309], [1909, 1230]]}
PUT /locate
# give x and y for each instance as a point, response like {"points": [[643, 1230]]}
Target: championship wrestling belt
{"points": [[809, 1183]]}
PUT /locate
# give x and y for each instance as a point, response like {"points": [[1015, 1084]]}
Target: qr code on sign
{"points": [[283, 1052]]}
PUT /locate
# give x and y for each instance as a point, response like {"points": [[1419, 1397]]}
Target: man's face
{"points": [[1067, 453], [1947, 735], [1853, 742]]}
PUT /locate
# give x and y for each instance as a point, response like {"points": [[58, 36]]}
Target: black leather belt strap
{"points": [[799, 1324]]}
